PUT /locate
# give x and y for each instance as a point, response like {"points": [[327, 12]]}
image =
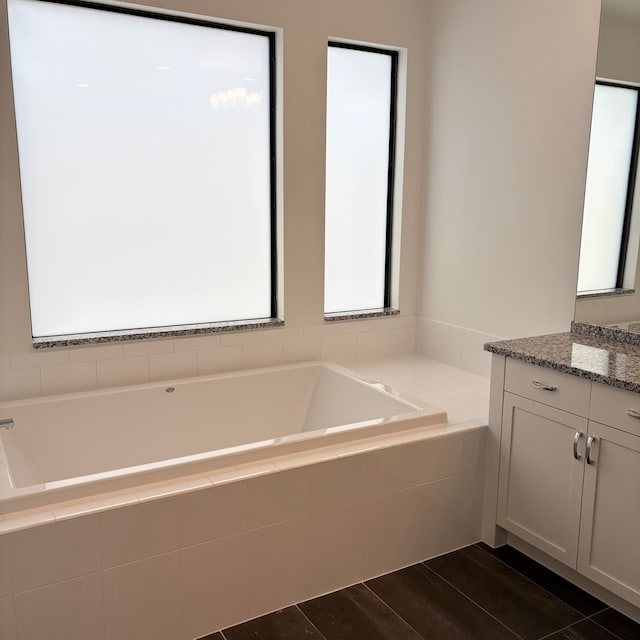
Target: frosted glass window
{"points": [[606, 197], [359, 177], [146, 168]]}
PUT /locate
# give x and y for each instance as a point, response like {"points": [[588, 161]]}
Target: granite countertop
{"points": [[579, 353]]}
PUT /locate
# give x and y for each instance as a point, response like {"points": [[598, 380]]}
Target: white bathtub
{"points": [[69, 446]]}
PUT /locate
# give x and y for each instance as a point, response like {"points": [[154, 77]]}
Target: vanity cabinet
{"points": [[570, 484], [609, 549]]}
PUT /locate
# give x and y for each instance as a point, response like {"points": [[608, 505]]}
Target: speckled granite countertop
{"points": [[588, 356]]}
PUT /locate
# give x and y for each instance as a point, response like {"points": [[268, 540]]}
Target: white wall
{"points": [[509, 87], [619, 48], [510, 106], [306, 28]]}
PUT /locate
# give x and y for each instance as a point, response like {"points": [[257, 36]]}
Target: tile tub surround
{"points": [[588, 356], [188, 564], [29, 373]]}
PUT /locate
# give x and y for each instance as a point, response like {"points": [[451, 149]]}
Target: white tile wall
{"points": [[26, 375], [5, 573], [148, 347], [138, 531], [114, 373], [457, 346], [440, 458], [54, 552], [342, 349], [5, 362], [39, 359], [373, 344], [90, 354], [142, 599], [70, 609], [65, 378], [165, 366], [302, 349], [403, 341], [214, 585], [390, 470], [337, 482], [261, 354], [248, 337], [278, 565], [199, 513], [187, 565], [20, 383], [7, 622], [219, 360], [277, 497], [339, 556]]}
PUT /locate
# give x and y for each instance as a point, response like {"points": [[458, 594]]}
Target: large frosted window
{"points": [[359, 177], [608, 196], [145, 146]]}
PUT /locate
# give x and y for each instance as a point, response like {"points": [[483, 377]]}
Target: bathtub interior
{"points": [[80, 435]]}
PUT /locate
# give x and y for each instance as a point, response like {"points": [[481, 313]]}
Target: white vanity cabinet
{"points": [[609, 551], [569, 479]]}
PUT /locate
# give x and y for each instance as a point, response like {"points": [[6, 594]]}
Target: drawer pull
{"points": [[633, 413], [546, 387], [591, 440], [576, 439]]}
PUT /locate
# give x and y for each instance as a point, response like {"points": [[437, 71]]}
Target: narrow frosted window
{"points": [[359, 171], [146, 168], [610, 153]]}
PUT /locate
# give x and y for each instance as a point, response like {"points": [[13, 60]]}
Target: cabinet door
{"points": [[610, 525], [540, 485]]}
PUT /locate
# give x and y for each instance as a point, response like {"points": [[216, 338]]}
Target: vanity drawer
{"points": [[611, 406], [550, 387]]}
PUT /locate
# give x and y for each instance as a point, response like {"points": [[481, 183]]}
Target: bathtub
{"points": [[67, 447]]}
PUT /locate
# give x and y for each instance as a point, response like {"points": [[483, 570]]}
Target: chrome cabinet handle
{"points": [[633, 413], [543, 386], [576, 439], [591, 440], [6, 423]]}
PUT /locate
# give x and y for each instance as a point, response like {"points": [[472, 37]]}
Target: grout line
{"points": [[553, 633], [602, 626], [366, 586], [506, 564], [472, 601], [304, 615]]}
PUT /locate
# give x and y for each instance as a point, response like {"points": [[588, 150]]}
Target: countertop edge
{"points": [[504, 350]]}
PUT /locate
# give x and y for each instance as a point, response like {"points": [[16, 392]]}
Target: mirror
{"points": [[619, 61]]}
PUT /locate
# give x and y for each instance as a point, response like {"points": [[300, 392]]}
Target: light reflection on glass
{"points": [[237, 98]]}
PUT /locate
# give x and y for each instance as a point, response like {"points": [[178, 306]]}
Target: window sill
{"points": [[108, 337], [360, 315], [604, 293]]}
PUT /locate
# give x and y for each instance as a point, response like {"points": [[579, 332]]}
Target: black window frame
{"points": [[393, 122], [190, 329], [631, 180]]}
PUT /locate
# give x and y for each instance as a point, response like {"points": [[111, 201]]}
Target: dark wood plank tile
{"points": [[434, 608], [584, 630], [621, 626], [355, 612], [524, 607], [575, 597], [213, 636], [287, 624]]}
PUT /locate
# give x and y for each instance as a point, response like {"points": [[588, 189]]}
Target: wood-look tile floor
{"points": [[476, 593]]}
